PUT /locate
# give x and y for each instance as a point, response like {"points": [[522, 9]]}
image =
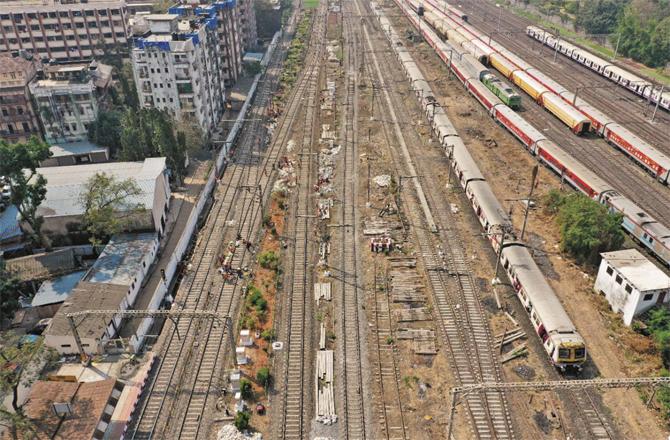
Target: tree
{"points": [[600, 16], [150, 133], [22, 362], [19, 163], [587, 228], [106, 131], [246, 389], [263, 376], [108, 208], [189, 134], [242, 420], [10, 290], [165, 142], [127, 83]]}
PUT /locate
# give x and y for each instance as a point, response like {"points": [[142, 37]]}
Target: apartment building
{"points": [[248, 24], [17, 118], [179, 67], [63, 29], [67, 98], [229, 30]]}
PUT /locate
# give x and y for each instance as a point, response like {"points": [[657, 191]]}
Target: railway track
{"points": [[177, 396], [350, 384], [596, 423], [459, 314], [621, 105], [392, 416], [294, 390]]}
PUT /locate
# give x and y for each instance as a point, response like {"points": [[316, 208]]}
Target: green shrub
{"points": [[587, 228], [242, 420], [268, 335], [268, 260], [263, 376], [246, 389]]}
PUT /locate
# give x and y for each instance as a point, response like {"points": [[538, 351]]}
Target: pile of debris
{"points": [[286, 178], [325, 402], [328, 96], [230, 432]]}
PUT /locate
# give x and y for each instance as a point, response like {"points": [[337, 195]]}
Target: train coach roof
{"points": [[636, 214], [492, 208], [465, 162], [627, 75], [546, 81], [586, 175], [541, 295], [530, 131], [651, 152]]}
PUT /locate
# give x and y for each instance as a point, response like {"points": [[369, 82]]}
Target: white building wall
{"points": [[185, 81], [623, 296]]}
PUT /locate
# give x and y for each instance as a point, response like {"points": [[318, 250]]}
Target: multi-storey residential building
{"points": [[228, 28], [17, 118], [67, 98], [248, 23], [179, 66], [63, 29]]}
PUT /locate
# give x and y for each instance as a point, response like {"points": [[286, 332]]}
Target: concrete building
{"points": [[62, 209], [248, 24], [63, 29], [112, 283], [71, 410], [75, 153], [631, 283], [17, 117], [228, 28], [68, 97], [179, 67]]}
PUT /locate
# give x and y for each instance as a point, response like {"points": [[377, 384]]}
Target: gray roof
{"points": [[637, 269], [57, 290], [72, 148], [9, 224], [120, 261], [88, 296], [65, 184]]}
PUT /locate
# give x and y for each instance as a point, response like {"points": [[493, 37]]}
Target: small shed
{"points": [[245, 338], [241, 356], [631, 283]]}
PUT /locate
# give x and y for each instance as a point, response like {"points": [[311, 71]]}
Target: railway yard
{"points": [[391, 192]]}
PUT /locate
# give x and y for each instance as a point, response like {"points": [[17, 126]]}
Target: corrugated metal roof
{"points": [[66, 184], [57, 290], [71, 148], [9, 224]]}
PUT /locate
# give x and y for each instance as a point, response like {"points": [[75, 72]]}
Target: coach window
{"points": [[610, 271], [648, 297], [619, 280], [629, 289]]}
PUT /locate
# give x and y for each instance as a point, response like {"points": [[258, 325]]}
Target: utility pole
{"points": [[658, 101], [616, 49], [530, 194], [451, 153], [495, 279]]}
